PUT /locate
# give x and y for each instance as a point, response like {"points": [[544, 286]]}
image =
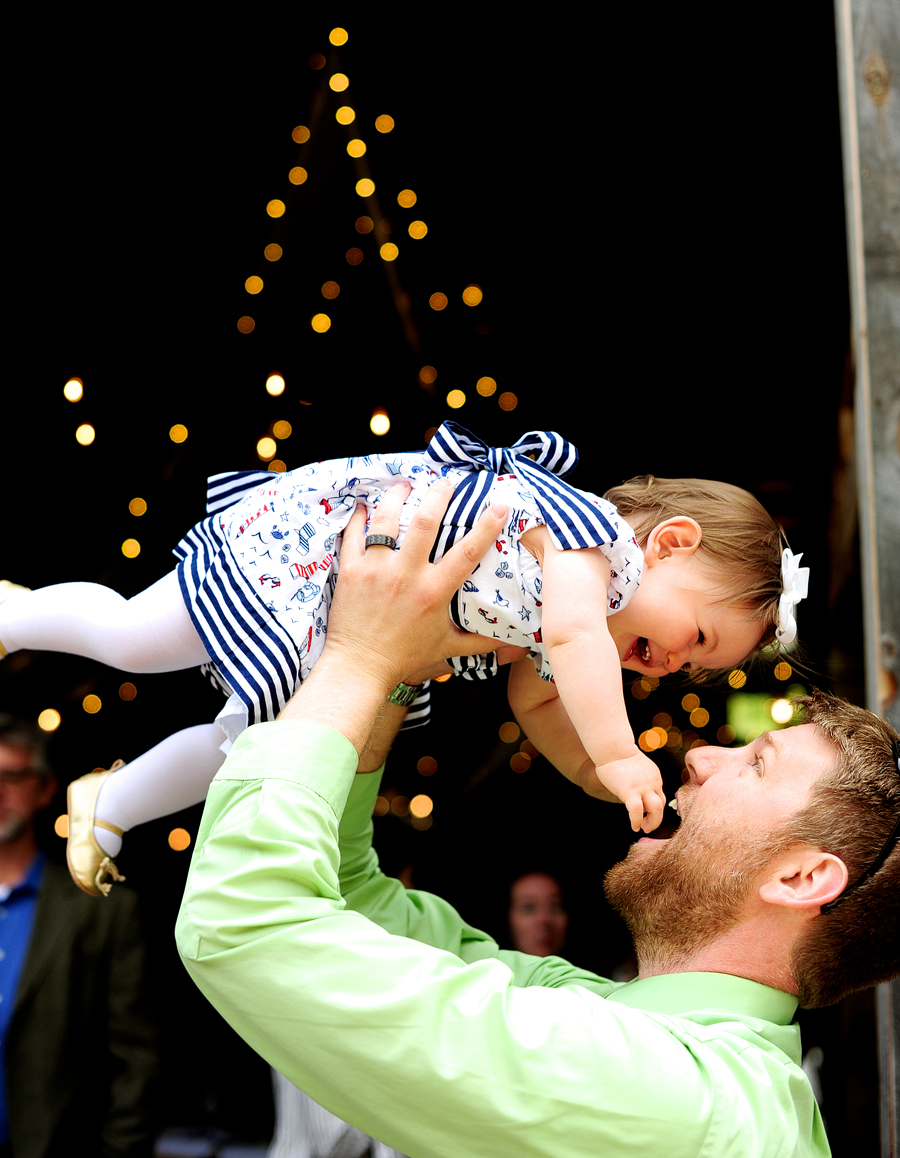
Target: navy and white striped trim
{"points": [[573, 518]]}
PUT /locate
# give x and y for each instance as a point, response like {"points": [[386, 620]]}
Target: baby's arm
{"points": [[586, 730]]}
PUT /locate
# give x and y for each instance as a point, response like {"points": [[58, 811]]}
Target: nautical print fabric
{"points": [[258, 573]]}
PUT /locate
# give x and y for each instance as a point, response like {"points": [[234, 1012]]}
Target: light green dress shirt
{"points": [[408, 1023]]}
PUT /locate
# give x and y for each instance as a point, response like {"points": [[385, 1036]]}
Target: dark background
{"points": [[654, 212]]}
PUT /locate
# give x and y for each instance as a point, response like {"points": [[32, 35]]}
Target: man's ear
{"points": [[805, 877], [678, 535]]}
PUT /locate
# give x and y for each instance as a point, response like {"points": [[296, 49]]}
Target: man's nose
{"points": [[701, 763]]}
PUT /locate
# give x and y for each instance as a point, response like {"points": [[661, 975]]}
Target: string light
{"points": [[49, 720]]}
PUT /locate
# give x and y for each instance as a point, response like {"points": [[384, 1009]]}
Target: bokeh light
{"points": [[137, 507], [781, 711], [275, 385], [340, 82], [379, 423], [472, 295], [282, 429], [131, 548], [298, 175], [406, 198], [345, 115], [317, 60], [421, 805], [356, 147], [49, 720], [178, 433], [321, 323], [438, 301], [275, 208], [338, 36], [426, 766], [783, 671], [384, 123], [61, 826], [300, 134], [699, 717], [364, 224], [508, 401], [509, 732], [253, 285], [179, 839], [266, 448], [486, 387], [330, 290], [74, 390], [736, 679], [127, 691], [389, 251], [273, 251], [690, 701], [455, 399], [91, 704], [427, 375], [365, 187], [417, 230], [354, 256], [246, 324], [85, 434]]}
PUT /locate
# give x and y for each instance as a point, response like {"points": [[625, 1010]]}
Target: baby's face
{"points": [[675, 620]]}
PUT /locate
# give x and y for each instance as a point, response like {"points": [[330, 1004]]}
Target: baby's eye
{"points": [[701, 638]]}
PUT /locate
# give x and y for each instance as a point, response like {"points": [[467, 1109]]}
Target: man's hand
{"points": [[389, 617]]}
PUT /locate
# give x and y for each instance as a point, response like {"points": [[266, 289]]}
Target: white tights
{"points": [[151, 632]]}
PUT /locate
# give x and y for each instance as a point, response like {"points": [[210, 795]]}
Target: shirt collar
{"points": [[688, 993], [29, 881]]}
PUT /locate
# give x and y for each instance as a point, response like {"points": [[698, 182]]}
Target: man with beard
{"points": [[386, 1007], [78, 1041]]}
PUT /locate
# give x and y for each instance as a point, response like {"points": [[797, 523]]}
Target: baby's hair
{"points": [[740, 538]]}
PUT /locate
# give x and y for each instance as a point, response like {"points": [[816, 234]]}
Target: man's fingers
{"points": [[385, 518]]}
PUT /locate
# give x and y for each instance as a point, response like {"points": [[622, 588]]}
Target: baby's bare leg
{"points": [[151, 632]]}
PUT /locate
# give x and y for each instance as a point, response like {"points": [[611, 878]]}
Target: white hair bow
{"points": [[795, 586]]}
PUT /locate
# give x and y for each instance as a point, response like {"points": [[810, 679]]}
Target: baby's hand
{"points": [[637, 783]]}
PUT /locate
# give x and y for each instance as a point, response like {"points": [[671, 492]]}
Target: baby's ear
{"points": [[680, 534]]}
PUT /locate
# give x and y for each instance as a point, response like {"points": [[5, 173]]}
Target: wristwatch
{"points": [[404, 694]]}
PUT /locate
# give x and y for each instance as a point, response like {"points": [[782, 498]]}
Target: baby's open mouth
{"points": [[642, 651]]}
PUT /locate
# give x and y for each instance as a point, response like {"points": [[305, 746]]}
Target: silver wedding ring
{"points": [[381, 541]]}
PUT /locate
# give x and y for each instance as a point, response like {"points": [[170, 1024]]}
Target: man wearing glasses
{"points": [[78, 1052]]}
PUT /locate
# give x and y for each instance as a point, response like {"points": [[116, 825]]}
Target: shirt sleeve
{"points": [[436, 1046]]}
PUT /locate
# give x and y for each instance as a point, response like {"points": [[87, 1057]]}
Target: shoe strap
{"points": [[109, 827]]}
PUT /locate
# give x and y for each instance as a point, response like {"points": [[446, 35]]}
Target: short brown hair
{"points": [[740, 538], [852, 809]]}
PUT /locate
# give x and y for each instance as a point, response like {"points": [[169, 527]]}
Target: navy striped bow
{"points": [[574, 518]]}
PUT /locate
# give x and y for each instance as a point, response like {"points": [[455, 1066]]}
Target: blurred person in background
{"points": [[78, 1056]]}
